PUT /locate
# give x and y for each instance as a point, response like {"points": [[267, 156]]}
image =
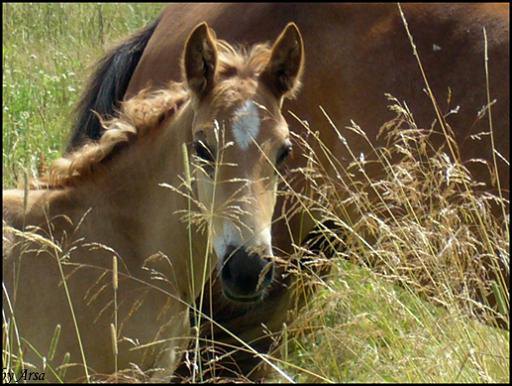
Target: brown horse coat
{"points": [[356, 53]]}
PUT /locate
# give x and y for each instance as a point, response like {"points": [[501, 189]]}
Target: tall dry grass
{"points": [[419, 293]]}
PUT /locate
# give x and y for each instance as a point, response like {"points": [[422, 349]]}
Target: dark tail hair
{"points": [[107, 86]]}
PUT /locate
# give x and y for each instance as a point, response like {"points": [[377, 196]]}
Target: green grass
{"points": [[365, 325], [369, 330], [47, 53]]}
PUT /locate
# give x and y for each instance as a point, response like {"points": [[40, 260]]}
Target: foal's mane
{"points": [[138, 116], [144, 113]]}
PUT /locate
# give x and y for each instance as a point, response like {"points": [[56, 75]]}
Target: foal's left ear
{"points": [[200, 60], [284, 69]]}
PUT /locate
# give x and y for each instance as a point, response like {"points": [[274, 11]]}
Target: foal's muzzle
{"points": [[245, 276]]}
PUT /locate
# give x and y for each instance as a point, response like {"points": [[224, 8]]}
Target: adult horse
{"points": [[358, 53], [107, 198], [362, 52]]}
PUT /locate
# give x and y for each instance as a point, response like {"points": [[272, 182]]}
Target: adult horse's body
{"points": [[106, 199], [362, 52], [357, 54]]}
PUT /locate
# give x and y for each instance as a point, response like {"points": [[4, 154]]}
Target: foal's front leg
{"points": [[176, 334]]}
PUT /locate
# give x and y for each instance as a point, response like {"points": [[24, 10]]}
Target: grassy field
{"points": [[379, 320], [47, 52]]}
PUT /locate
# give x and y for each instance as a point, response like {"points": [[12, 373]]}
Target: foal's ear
{"points": [[284, 69], [200, 59]]}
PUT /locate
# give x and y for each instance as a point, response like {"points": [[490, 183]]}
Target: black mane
{"points": [[106, 87]]}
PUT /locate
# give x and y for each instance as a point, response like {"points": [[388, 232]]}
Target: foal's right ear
{"points": [[200, 60]]}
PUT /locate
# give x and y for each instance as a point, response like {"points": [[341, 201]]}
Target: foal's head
{"points": [[241, 138]]}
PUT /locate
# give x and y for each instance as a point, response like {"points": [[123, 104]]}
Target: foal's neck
{"points": [[142, 216], [132, 184]]}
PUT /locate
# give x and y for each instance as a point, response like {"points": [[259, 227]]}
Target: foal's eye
{"points": [[203, 151], [283, 153]]}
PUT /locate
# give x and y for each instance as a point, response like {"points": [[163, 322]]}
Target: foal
{"points": [[98, 261]]}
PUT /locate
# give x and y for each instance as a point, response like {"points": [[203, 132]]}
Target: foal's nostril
{"points": [[226, 272], [269, 274], [245, 275]]}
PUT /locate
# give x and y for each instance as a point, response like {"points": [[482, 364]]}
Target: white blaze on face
{"points": [[230, 237], [265, 238], [246, 124]]}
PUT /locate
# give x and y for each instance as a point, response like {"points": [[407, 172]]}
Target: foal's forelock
{"points": [[242, 61]]}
